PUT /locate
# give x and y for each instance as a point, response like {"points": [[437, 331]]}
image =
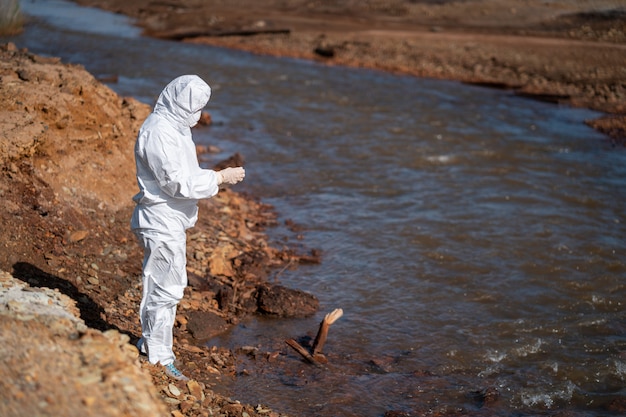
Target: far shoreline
{"points": [[560, 52]]}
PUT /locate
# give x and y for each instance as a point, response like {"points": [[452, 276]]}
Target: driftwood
{"points": [[180, 34], [317, 357], [302, 351], [322, 333]]}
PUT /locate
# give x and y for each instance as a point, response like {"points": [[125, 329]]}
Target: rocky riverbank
{"points": [[69, 266], [70, 281]]}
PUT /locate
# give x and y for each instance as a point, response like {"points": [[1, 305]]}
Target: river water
{"points": [[474, 239]]}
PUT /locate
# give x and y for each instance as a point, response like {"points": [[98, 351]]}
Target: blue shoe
{"points": [[173, 372], [141, 347]]}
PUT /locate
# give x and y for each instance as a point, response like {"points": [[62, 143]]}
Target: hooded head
{"points": [[183, 99]]}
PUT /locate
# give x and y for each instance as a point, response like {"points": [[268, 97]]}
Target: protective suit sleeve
{"points": [[174, 166]]}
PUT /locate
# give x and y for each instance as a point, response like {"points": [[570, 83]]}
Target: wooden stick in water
{"points": [[302, 351], [322, 333], [317, 358]]}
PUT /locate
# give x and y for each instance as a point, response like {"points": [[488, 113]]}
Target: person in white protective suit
{"points": [[170, 184]]}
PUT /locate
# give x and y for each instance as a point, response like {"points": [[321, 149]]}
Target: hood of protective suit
{"points": [[182, 100], [167, 163]]}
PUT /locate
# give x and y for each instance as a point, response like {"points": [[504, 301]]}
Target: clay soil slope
{"points": [[70, 268], [67, 176]]}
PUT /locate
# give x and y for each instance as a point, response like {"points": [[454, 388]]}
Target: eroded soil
{"points": [[66, 182], [67, 176]]}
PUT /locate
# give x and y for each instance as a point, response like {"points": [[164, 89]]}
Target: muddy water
{"points": [[475, 240]]}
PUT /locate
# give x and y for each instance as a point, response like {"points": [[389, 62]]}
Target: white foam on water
{"points": [[538, 397], [495, 356], [441, 159], [529, 349], [620, 369]]}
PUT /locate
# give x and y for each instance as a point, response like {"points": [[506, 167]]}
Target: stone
{"points": [[205, 325], [195, 389], [173, 389], [281, 301], [78, 235], [186, 406]]}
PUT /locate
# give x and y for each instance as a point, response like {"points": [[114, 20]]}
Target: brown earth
{"points": [[67, 176], [66, 182], [568, 52]]}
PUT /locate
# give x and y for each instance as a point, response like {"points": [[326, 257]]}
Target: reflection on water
{"points": [[475, 240]]}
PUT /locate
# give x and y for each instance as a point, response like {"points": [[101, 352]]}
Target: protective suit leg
{"points": [[164, 282]]}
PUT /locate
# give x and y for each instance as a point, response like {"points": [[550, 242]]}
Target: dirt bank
{"points": [[566, 52], [66, 182]]}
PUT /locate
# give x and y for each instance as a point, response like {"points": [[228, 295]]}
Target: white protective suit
{"points": [[170, 182]]}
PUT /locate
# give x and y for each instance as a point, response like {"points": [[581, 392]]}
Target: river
{"points": [[475, 240]]}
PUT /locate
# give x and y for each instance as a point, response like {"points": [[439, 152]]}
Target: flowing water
{"points": [[474, 239]]}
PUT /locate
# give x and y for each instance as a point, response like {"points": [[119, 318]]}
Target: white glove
{"points": [[231, 175]]}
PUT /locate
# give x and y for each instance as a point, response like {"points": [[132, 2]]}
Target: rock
{"points": [[186, 406], [324, 50], [220, 260], [40, 331], [78, 235], [205, 119], [235, 409], [204, 325], [285, 302], [171, 401], [225, 297], [235, 160], [486, 396], [173, 389], [195, 389], [47, 306]]}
